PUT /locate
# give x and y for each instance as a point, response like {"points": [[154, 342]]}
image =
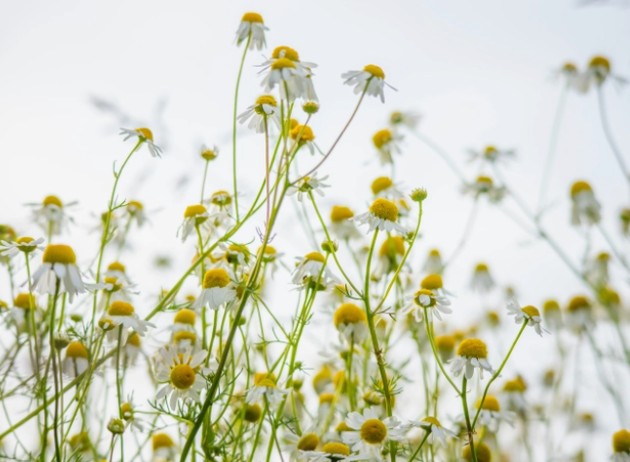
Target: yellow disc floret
{"points": [[384, 209], [349, 313], [194, 210], [145, 133], [23, 301], [315, 256], [432, 282], [340, 213], [375, 71], [514, 386], [432, 421], [252, 413], [621, 441], [161, 440], [381, 138], [216, 277], [579, 303], [381, 184], [373, 431], [392, 246], [59, 253], [531, 311], [120, 308], [489, 404], [134, 340], [282, 63], [304, 132], [336, 448], [266, 99], [52, 200], [285, 52], [182, 376], [308, 442], [472, 348], [481, 450], [185, 335], [445, 342], [116, 266], [185, 316], [600, 62], [252, 17], [76, 350], [580, 186]]}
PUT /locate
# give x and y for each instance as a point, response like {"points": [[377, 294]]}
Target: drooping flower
{"points": [[253, 28], [471, 355], [370, 80], [351, 322], [436, 431], [585, 208], [145, 136], [529, 314]]}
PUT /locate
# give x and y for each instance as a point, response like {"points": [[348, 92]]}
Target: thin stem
{"points": [[238, 83], [442, 153], [435, 354], [413, 456], [203, 183], [469, 427], [609, 136]]}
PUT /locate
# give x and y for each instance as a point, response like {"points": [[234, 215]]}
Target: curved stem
{"points": [[469, 427], [609, 137]]}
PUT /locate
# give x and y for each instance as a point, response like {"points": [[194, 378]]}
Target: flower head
{"points": [[434, 427], [585, 207], [181, 374], [144, 136], [530, 314], [259, 114], [251, 28], [368, 433], [351, 322], [471, 355], [371, 81], [382, 215]]}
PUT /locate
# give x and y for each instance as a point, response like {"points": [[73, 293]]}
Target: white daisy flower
{"points": [[580, 313], [428, 300], [287, 71], [386, 143], [283, 52], [182, 376], [298, 447], [208, 154], [59, 267], [308, 184], [382, 215], [117, 270], [433, 263], [306, 137], [514, 392], [384, 187], [491, 415], [597, 72], [341, 224], [585, 208], [217, 289], [194, 215], [265, 386], [529, 314], [482, 281], [552, 314], [351, 322], [128, 415], [434, 283], [164, 448], [20, 312], [51, 215], [27, 245], [144, 135], [369, 433], [471, 355], [184, 320], [76, 361], [436, 431], [122, 314], [132, 348], [407, 119], [116, 289], [271, 258], [252, 25], [492, 154], [387, 260], [310, 266], [220, 201], [331, 452], [569, 72], [597, 269], [264, 110], [621, 446], [485, 185], [136, 212], [370, 80]]}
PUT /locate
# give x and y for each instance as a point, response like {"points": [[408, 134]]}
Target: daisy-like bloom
{"points": [[117, 270], [298, 446], [306, 137], [491, 415], [123, 314], [308, 184], [310, 266], [136, 212], [25, 244], [116, 289], [384, 187], [221, 200], [260, 113], [253, 28], [341, 224], [51, 215], [433, 263], [471, 354], [482, 451], [181, 372], [624, 220], [382, 215], [621, 446], [406, 119], [597, 72], [552, 314], [331, 452], [163, 446], [434, 304], [132, 348], [529, 314], [436, 431], [492, 154], [322, 380], [20, 312], [265, 386], [434, 283], [387, 260], [208, 154], [285, 70], [127, 413], [145, 136], [271, 258], [76, 361], [217, 289], [386, 144], [482, 280], [485, 185], [194, 216], [351, 322], [579, 313], [369, 433], [597, 269], [445, 345], [370, 80], [585, 209], [184, 321], [514, 391], [59, 267]]}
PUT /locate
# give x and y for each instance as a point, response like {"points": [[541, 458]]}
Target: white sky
{"points": [[479, 71]]}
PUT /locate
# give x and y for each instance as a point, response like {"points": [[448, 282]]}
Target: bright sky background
{"points": [[480, 72]]}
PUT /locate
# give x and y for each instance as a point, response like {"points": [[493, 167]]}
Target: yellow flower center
{"points": [[579, 303], [485, 181], [185, 316], [489, 404], [392, 246], [127, 411], [580, 186], [194, 210], [252, 17], [340, 213], [185, 335], [326, 398], [621, 441], [515, 385], [182, 376], [381, 138], [472, 348], [114, 282], [531, 311], [134, 340], [208, 154], [266, 99], [373, 431], [481, 450], [59, 253], [306, 133], [349, 313], [217, 277], [384, 209], [221, 198], [569, 67], [336, 448], [481, 268], [260, 376], [315, 256], [76, 350], [116, 266], [134, 206], [52, 200], [600, 61], [434, 253], [432, 282], [285, 52], [268, 383], [551, 305], [445, 342], [431, 295], [375, 71], [308, 442], [252, 413], [23, 301], [24, 240], [381, 184], [432, 421], [120, 308], [106, 324], [145, 133], [161, 440], [282, 63]]}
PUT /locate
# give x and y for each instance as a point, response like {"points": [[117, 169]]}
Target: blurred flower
{"points": [[307, 185], [259, 114], [585, 208], [252, 25]]}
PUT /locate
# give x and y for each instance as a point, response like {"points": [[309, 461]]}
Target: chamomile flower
{"points": [[384, 187], [482, 280], [260, 113], [308, 184], [428, 300], [285, 70], [351, 322], [252, 28], [208, 154], [529, 314], [387, 260], [26, 245], [570, 74], [445, 345], [217, 289], [492, 154], [132, 348], [341, 224], [265, 387], [471, 355], [184, 320], [382, 215], [585, 208], [491, 415], [136, 212], [434, 283], [433, 263], [597, 269], [59, 269], [436, 431], [128, 415], [194, 216], [122, 314], [299, 446], [20, 312], [552, 314], [621, 446], [579, 313], [406, 119], [369, 433], [371, 81], [163, 446], [482, 451], [145, 136], [76, 361], [116, 289], [305, 135], [181, 372], [386, 143], [51, 215], [117, 270], [598, 71], [331, 452], [271, 258], [514, 391], [485, 185], [310, 266]]}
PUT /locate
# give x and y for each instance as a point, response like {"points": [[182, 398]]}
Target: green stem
{"points": [[469, 427], [435, 353], [238, 83]]}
